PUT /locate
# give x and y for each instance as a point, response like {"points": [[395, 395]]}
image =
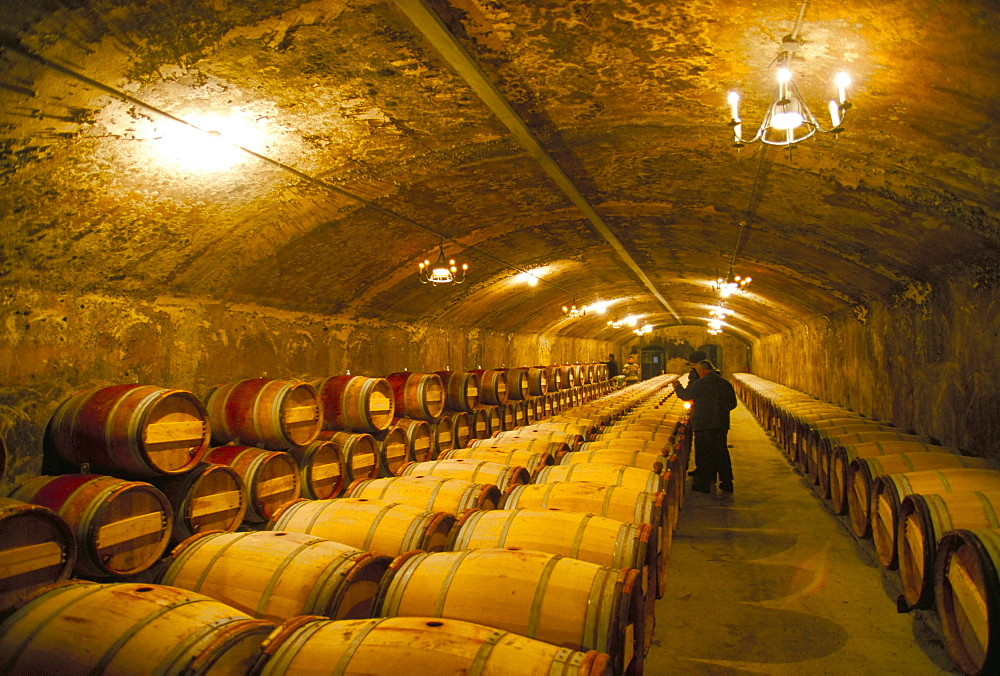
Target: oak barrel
{"points": [[37, 548], [76, 628], [505, 455], [273, 414], [356, 403], [418, 645], [967, 594], [394, 449], [434, 494], [322, 473], [492, 386], [134, 431], [417, 395], [461, 390], [559, 600], [380, 526], [538, 380], [442, 437], [461, 428], [888, 491], [360, 452], [210, 497], [479, 424], [419, 442], [276, 575], [474, 471], [121, 527], [536, 444], [651, 461], [923, 521], [271, 478], [611, 474], [517, 384]]}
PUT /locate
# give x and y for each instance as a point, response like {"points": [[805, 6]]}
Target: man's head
{"points": [[704, 367], [611, 357], [631, 359], [697, 356]]}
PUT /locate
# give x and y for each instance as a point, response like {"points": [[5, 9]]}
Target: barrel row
{"points": [[930, 511]]}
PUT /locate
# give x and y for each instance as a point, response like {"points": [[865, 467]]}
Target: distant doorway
{"points": [[652, 361], [713, 353]]}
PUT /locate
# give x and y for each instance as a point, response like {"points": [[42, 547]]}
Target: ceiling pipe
{"points": [[431, 27]]}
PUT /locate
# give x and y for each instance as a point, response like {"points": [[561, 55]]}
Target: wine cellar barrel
{"points": [[502, 476], [442, 437], [461, 390], [271, 478], [532, 461], [417, 395], [209, 497], [492, 386], [121, 527], [134, 431], [394, 449], [517, 385], [273, 414], [461, 428], [434, 494], [322, 473], [37, 548], [369, 524], [360, 452], [356, 403], [419, 442]]}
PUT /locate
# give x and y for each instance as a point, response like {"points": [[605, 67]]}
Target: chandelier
{"points": [[728, 285], [443, 270], [574, 312], [718, 316], [788, 119]]}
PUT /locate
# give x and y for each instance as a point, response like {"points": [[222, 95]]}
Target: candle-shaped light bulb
{"points": [[835, 117], [734, 106], [843, 81], [784, 75]]}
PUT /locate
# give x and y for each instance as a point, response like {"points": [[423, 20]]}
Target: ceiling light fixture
{"points": [[788, 119], [443, 270], [730, 284], [574, 312]]}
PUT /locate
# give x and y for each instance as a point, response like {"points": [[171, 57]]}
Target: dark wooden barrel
{"points": [[271, 478], [555, 378], [273, 414], [134, 431], [360, 452], [461, 390], [209, 497], [121, 527], [480, 427], [538, 380], [321, 469], [493, 386], [417, 395], [380, 526], [447, 646], [356, 403], [461, 428], [394, 449], [517, 384], [276, 575], [131, 629], [442, 437], [37, 548]]}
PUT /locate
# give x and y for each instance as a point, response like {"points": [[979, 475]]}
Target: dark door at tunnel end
{"points": [[652, 361]]}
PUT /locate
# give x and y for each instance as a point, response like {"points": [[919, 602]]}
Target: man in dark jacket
{"points": [[712, 398], [612, 367]]}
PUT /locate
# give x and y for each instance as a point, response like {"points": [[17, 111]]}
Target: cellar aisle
{"points": [[774, 583]]}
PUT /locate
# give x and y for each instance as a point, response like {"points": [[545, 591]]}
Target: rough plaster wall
{"points": [[925, 360], [52, 345]]}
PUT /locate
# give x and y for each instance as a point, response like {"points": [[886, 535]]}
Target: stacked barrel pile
{"points": [[308, 575], [931, 511]]}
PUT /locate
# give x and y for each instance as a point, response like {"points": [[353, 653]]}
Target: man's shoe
{"points": [[724, 496], [701, 489]]}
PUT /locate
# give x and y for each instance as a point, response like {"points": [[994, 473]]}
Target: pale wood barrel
{"points": [[888, 491], [613, 475], [532, 461], [442, 437], [563, 601], [356, 403], [360, 452], [393, 450], [571, 439], [419, 440], [210, 497], [322, 473], [493, 386], [417, 395], [434, 494], [133, 431], [276, 575], [37, 548], [586, 430], [461, 390], [273, 414], [271, 478], [121, 527], [474, 471], [833, 479], [923, 521], [419, 645], [967, 593], [863, 472], [380, 526], [535, 444], [821, 453], [653, 462], [657, 446], [75, 628]]}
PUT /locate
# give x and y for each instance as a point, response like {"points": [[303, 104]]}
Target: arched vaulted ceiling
{"points": [[586, 141]]}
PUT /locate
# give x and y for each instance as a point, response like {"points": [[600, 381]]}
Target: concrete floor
{"points": [[775, 583]]}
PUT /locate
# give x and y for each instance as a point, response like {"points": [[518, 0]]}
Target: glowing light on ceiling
{"points": [[211, 143]]}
